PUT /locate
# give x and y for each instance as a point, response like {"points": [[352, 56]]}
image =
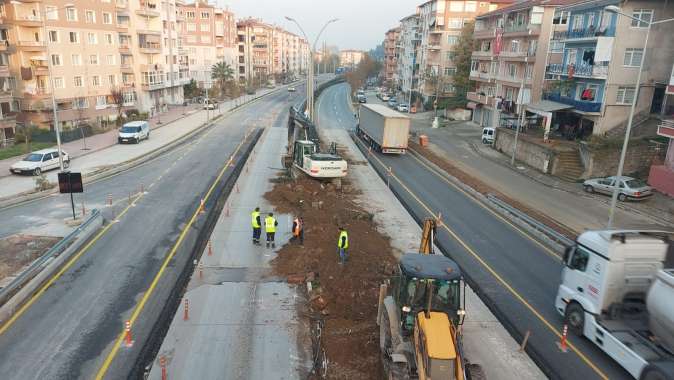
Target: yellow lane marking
{"points": [[58, 274], [498, 277], [141, 304], [547, 250]]}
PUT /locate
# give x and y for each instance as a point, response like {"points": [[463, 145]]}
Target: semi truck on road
{"points": [[617, 292], [384, 129]]}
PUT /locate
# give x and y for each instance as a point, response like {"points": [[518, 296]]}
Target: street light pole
{"points": [[522, 111], [623, 153]]}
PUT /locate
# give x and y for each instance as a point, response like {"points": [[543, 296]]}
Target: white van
{"points": [[133, 132], [488, 134]]}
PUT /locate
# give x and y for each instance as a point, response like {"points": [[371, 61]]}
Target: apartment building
{"points": [[350, 57], [225, 36], [289, 55], [391, 42], [593, 83], [440, 25], [407, 68], [69, 51], [509, 64]]}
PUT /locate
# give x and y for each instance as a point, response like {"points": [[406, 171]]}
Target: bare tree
{"points": [[117, 98]]}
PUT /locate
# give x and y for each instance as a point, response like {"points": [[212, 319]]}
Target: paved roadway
{"points": [[69, 330], [514, 274]]}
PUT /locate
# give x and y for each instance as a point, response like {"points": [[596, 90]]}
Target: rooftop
{"points": [[437, 267], [526, 5]]}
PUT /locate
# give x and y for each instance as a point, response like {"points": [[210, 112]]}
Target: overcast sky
{"points": [[361, 25]]}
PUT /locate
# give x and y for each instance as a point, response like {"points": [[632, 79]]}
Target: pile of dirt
{"points": [[483, 188], [348, 295], [20, 250]]}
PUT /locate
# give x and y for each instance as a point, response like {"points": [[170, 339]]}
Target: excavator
{"points": [[421, 315]]}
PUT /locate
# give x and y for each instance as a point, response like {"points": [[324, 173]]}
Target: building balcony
{"points": [[150, 48], [28, 20], [151, 67], [433, 46], [480, 98], [581, 71], [484, 34], [4, 44], [522, 30], [513, 80], [39, 93], [7, 121], [180, 17], [582, 34], [41, 69], [483, 54], [148, 12], [666, 129], [31, 45], [521, 56], [152, 86], [125, 48], [579, 105], [481, 76], [6, 95], [126, 68], [4, 71], [124, 26], [121, 4]]}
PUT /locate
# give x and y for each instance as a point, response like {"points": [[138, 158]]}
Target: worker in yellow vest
{"points": [[270, 227], [343, 245], [257, 225]]}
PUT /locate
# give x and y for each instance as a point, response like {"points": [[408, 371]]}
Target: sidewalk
{"points": [[105, 152], [242, 322], [567, 203]]}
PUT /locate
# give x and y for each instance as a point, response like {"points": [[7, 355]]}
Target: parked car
{"points": [[133, 132], [361, 98], [403, 108], [291, 89], [392, 102], [629, 188], [384, 98], [40, 161], [488, 135], [210, 104]]}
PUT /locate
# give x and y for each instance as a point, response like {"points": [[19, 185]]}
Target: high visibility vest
{"points": [[298, 227], [254, 216], [344, 235], [269, 224]]}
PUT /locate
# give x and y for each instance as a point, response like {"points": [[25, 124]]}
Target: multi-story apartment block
{"points": [[440, 25], [593, 82], [391, 42], [350, 58], [68, 52], [225, 36], [407, 66], [509, 64], [288, 60]]}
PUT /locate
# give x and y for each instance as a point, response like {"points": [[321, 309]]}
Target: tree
{"points": [[116, 98], [191, 89], [367, 68], [462, 51], [223, 73]]}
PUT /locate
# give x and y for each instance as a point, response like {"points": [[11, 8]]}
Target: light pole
{"points": [[621, 163], [310, 73], [522, 116], [43, 15]]}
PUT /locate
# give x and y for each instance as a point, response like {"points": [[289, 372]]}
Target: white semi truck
{"points": [[616, 291], [384, 129]]}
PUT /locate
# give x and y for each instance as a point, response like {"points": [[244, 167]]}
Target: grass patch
{"points": [[21, 149]]}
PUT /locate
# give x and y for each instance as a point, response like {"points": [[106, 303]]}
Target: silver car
{"points": [[629, 188]]}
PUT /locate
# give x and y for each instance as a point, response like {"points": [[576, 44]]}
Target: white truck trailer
{"points": [[616, 292], [384, 129]]}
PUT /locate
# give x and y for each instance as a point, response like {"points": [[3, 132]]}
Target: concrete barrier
{"points": [[38, 273]]}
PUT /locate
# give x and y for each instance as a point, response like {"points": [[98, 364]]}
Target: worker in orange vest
{"points": [[298, 230]]}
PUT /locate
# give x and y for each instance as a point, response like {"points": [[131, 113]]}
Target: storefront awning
{"points": [[547, 106], [471, 105]]}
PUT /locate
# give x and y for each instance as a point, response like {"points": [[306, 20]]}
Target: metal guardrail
{"points": [[33, 269], [538, 226]]}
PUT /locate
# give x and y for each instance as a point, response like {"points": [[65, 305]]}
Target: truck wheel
{"points": [[652, 373], [398, 371], [574, 317]]}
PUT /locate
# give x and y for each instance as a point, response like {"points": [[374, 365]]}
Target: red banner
{"points": [[499, 41]]}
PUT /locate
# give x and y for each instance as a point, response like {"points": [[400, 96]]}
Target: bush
{"points": [[42, 183]]}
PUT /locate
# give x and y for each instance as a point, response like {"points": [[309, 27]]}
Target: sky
{"points": [[361, 25]]}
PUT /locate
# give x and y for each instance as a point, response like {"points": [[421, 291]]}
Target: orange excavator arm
{"points": [[427, 237]]}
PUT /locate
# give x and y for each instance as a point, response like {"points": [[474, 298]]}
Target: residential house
{"points": [[391, 42], [407, 67], [350, 58]]}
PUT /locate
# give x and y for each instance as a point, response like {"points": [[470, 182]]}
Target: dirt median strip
{"points": [[347, 296]]}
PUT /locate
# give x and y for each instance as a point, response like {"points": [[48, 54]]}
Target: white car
{"points": [[210, 105], [37, 162], [133, 132], [291, 89], [403, 108], [385, 98]]}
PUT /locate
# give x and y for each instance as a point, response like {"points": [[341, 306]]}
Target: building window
{"points": [[474, 65], [77, 81], [51, 12], [587, 91], [74, 37], [646, 15], [109, 39], [189, 14], [76, 59], [92, 38], [101, 101], [455, 23], [110, 59], [89, 16], [191, 27], [512, 70], [577, 22], [204, 27], [450, 70], [58, 82], [206, 39], [456, 6], [93, 59], [56, 60], [561, 18], [53, 36], [493, 7], [129, 98], [96, 81], [451, 40], [633, 57], [471, 6], [71, 14], [107, 18], [529, 71], [514, 46], [205, 15], [80, 103], [625, 95], [112, 79]]}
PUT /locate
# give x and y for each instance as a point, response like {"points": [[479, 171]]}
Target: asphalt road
{"points": [[69, 330], [514, 275]]}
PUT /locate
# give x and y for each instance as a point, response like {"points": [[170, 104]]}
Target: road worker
{"points": [[270, 227], [343, 245], [257, 225]]}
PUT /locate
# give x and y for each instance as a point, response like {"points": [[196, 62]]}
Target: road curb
{"points": [[111, 170], [50, 266]]}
